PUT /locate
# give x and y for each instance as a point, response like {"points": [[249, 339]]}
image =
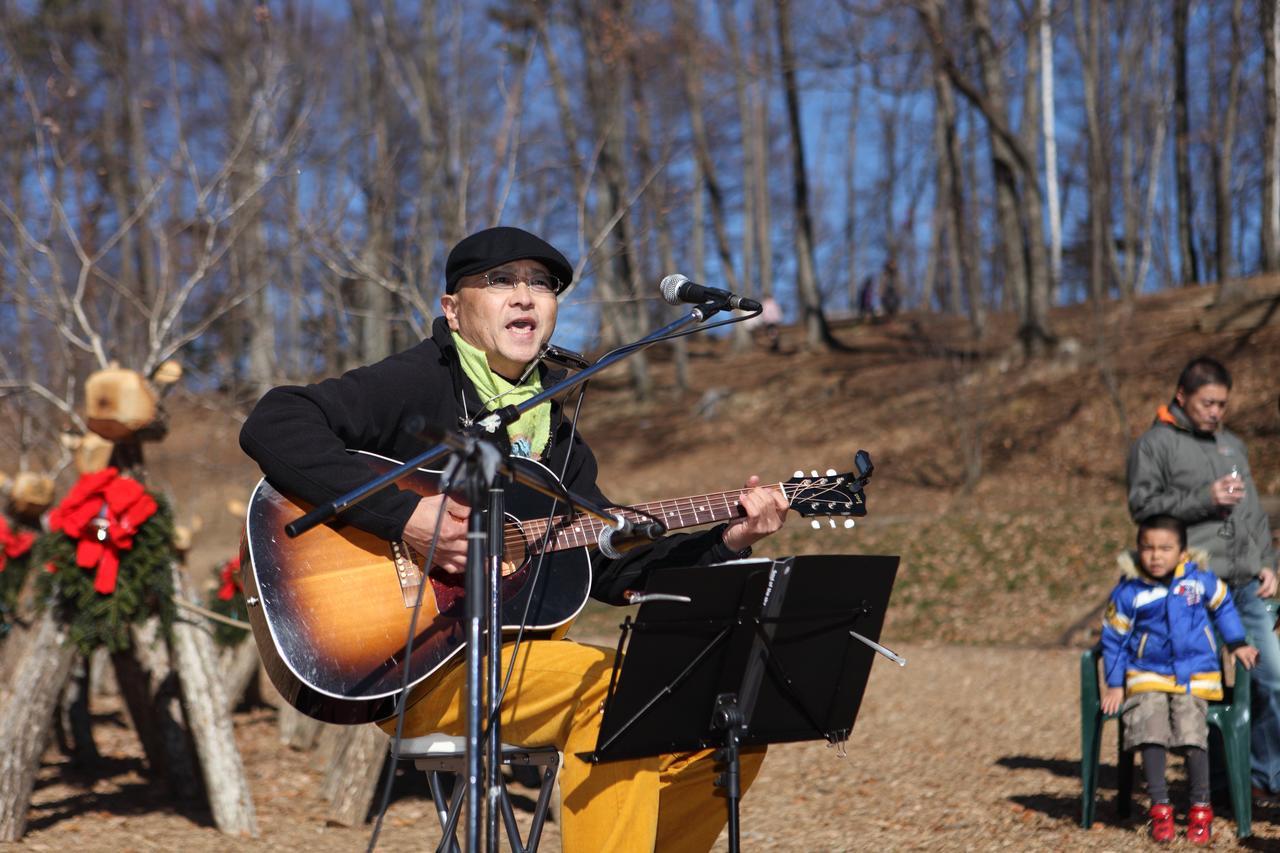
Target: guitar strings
{"points": [[586, 527]]}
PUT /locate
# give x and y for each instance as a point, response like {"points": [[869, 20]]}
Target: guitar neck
{"points": [[577, 531]]}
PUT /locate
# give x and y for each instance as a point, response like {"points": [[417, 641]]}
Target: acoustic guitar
{"points": [[331, 609]]}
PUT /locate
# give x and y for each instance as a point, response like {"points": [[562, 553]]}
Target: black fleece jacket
{"points": [[300, 435]]}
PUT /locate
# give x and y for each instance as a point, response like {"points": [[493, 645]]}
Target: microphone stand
{"points": [[484, 469]]}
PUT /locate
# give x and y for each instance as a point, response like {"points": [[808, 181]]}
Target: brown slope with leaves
{"points": [[1018, 554]]}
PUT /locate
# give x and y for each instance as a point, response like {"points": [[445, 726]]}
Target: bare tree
{"points": [[1047, 113], [817, 332], [1269, 14], [1189, 265], [688, 25], [1018, 199]]}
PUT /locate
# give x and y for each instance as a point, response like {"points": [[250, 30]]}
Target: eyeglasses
{"points": [[539, 282]]}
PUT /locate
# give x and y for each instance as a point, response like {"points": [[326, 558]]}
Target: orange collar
{"points": [[1164, 416]]}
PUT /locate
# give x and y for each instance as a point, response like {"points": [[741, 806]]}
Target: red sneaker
{"points": [[1200, 825], [1162, 828]]}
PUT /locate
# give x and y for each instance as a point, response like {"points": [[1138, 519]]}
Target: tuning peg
{"points": [[832, 521], [831, 472], [813, 473], [849, 522], [817, 525], [799, 473]]}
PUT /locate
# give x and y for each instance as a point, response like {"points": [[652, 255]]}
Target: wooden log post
{"points": [[73, 721], [297, 730], [14, 647], [239, 667], [205, 701], [150, 689], [353, 773], [26, 719]]}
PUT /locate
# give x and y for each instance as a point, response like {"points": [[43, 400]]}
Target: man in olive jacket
{"points": [[1189, 466]]}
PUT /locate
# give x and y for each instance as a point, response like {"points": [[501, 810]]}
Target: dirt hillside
{"points": [[999, 483]]}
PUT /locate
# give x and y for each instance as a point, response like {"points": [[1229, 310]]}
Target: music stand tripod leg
{"points": [[728, 717]]}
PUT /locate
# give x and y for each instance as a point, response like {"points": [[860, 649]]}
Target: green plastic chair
{"points": [[1230, 717]]}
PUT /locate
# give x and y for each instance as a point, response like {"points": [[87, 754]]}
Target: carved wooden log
{"points": [[30, 495], [239, 667], [26, 719], [102, 680], [353, 773], [297, 730], [74, 724], [332, 739], [266, 690], [15, 643], [205, 701], [118, 403], [150, 689], [93, 453]]}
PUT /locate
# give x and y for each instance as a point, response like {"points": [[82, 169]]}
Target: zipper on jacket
{"points": [[1142, 644], [1213, 647]]}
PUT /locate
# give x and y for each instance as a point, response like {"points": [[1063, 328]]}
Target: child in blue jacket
{"points": [[1161, 664]]}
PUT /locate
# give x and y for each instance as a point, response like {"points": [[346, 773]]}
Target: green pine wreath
{"points": [[144, 586]]}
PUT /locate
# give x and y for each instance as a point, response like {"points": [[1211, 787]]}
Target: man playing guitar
{"points": [[499, 310]]}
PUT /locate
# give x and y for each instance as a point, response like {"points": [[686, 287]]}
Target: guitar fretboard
{"points": [[577, 531]]}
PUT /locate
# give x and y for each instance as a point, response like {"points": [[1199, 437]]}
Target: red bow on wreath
{"points": [[230, 579], [104, 511], [13, 545]]}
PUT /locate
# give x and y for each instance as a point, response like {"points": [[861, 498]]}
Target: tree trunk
{"points": [[656, 203], [750, 283], [28, 712], [1224, 152], [239, 667], [205, 703], [963, 242], [377, 169], [1270, 12], [761, 148], [686, 19], [1047, 107], [1189, 271], [817, 333], [1018, 199], [1088, 33]]}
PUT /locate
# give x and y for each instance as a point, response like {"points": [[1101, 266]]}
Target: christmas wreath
{"points": [[107, 559], [229, 602], [15, 559]]}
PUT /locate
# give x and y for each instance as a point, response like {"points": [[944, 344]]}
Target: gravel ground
{"points": [[966, 748]]}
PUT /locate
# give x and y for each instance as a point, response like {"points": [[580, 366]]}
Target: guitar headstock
{"points": [[831, 494]]}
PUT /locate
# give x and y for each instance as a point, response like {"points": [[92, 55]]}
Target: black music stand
{"points": [[747, 653]]}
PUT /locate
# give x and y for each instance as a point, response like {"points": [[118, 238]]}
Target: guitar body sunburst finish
{"points": [[334, 606]]}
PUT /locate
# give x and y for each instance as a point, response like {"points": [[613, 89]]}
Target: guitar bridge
{"points": [[408, 571]]}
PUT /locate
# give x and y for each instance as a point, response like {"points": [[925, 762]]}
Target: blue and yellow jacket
{"points": [[1159, 637]]}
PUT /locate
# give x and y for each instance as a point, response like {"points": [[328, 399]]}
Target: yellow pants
{"points": [[665, 803]]}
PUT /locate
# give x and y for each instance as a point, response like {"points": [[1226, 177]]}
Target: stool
{"points": [[439, 754], [1230, 718]]}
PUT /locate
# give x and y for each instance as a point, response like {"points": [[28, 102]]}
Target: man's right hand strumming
{"points": [[451, 549]]}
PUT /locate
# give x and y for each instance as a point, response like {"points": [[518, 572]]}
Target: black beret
{"points": [[493, 247]]}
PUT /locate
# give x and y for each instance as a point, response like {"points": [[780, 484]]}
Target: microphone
{"points": [[627, 534], [677, 289]]}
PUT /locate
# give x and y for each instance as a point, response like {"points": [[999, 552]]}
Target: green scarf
{"points": [[529, 434]]}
